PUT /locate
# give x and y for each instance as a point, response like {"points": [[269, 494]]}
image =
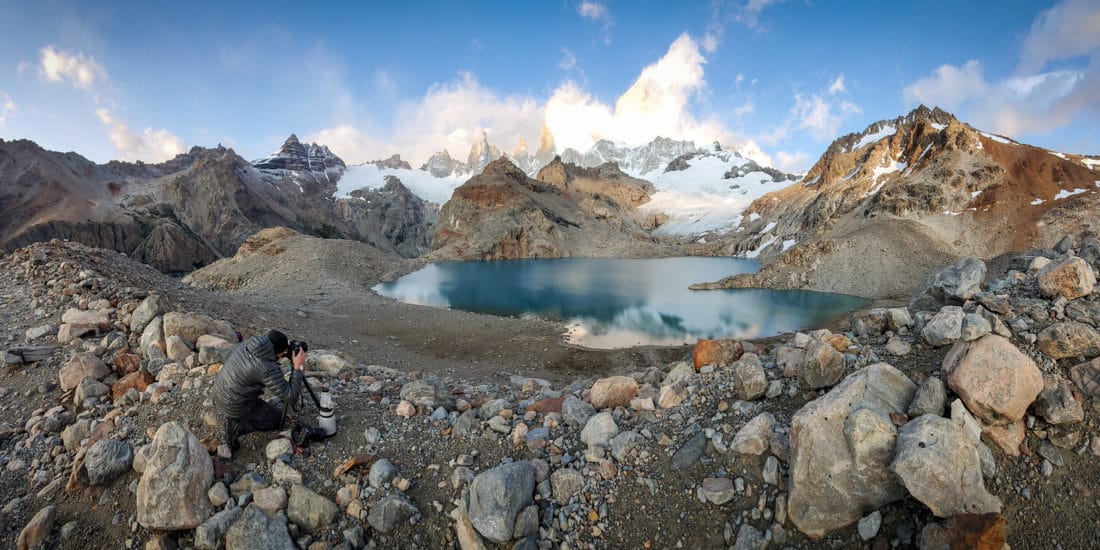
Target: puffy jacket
{"points": [[250, 368]]}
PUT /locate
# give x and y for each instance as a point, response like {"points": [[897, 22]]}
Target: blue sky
{"points": [[146, 80]]}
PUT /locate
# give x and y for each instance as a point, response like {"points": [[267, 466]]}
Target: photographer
{"points": [[251, 367]]}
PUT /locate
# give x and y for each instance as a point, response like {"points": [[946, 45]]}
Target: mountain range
{"points": [[913, 191]]}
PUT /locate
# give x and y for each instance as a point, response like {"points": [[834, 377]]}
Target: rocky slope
{"points": [[197, 207], [969, 419], [912, 193], [569, 211]]}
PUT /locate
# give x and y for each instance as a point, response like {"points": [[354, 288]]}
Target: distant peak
{"points": [[292, 139]]}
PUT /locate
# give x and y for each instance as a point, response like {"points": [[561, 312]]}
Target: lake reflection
{"points": [[611, 303]]}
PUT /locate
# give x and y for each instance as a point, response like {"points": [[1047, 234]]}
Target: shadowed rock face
{"points": [[197, 207]]}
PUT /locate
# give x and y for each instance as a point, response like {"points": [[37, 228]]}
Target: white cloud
{"points": [[568, 60], [949, 86], [658, 103], [743, 109], [795, 162], [821, 118], [7, 107], [594, 11], [837, 87], [1069, 29], [151, 145], [80, 71]]}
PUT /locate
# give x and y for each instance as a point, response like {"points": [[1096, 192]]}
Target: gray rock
{"points": [[749, 538], [171, 495], [898, 318], [771, 470], [310, 511], [945, 327], [718, 490], [277, 447], [565, 483], [208, 355], [493, 407], [430, 393], [42, 331], [1084, 312], [498, 495], [255, 529], [753, 438], [527, 523], [869, 525], [247, 483], [390, 513], [537, 439], [822, 366], [897, 346], [622, 444], [466, 425], [599, 430], [146, 311], [381, 473], [954, 285], [576, 412], [106, 460], [89, 388], [931, 398], [211, 534], [871, 323], [681, 372], [858, 478], [939, 465], [690, 452], [1056, 403], [974, 326], [749, 379], [355, 537]]}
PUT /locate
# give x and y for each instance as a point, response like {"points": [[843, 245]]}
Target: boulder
{"points": [[1056, 403], [599, 430], [190, 326], [1084, 311], [152, 336], [616, 391], [680, 372], [871, 323], [672, 395], [1069, 339], [106, 460], [309, 510], [978, 531], [840, 468], [749, 380], [256, 529], [931, 398], [954, 285], [576, 412], [211, 534], [898, 318], [1069, 277], [498, 496], [139, 381], [945, 327], [429, 393], [1087, 377], [171, 495], [939, 465], [975, 326], [330, 363], [993, 378], [89, 388], [753, 437], [270, 499], [716, 352], [37, 530], [822, 366], [176, 348], [81, 366], [390, 513], [565, 483], [147, 310]]}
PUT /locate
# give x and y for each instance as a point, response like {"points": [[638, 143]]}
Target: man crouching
{"points": [[250, 368]]}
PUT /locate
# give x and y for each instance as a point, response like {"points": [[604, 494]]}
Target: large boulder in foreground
{"points": [[171, 495], [1069, 277], [1069, 339], [81, 366], [939, 464], [498, 496], [995, 380], [616, 391], [841, 445], [952, 286]]}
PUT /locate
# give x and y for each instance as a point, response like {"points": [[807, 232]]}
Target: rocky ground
{"points": [[461, 430]]}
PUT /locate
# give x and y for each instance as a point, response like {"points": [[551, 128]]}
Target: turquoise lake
{"points": [[612, 303]]}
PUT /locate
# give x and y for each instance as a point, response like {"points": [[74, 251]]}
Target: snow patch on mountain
{"points": [[1063, 194], [700, 199], [420, 182], [886, 131]]}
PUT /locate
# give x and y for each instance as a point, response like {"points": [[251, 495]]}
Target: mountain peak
{"points": [[295, 156]]}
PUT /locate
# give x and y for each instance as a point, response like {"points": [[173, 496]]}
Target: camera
{"points": [[295, 345]]}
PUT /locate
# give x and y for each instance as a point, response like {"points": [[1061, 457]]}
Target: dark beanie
{"points": [[278, 341]]}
